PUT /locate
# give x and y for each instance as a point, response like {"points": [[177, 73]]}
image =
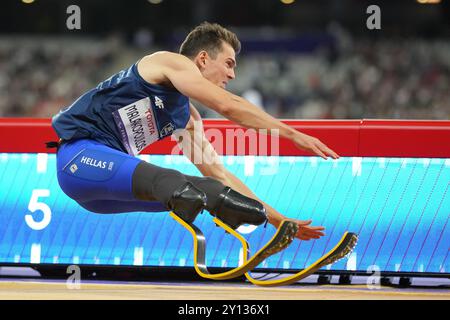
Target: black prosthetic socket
{"points": [[212, 187], [187, 202], [235, 209], [188, 195], [153, 183]]}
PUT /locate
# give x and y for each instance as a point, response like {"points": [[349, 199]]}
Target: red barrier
{"points": [[383, 138], [405, 138]]}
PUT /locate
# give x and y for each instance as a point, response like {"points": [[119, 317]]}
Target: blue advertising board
{"points": [[399, 207]]}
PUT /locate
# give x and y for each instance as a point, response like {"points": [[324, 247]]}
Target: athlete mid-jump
{"points": [[104, 129]]}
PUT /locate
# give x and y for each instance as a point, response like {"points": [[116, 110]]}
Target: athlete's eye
{"points": [[230, 64]]}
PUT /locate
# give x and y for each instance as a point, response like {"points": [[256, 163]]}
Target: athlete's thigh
{"points": [[115, 206], [88, 171]]}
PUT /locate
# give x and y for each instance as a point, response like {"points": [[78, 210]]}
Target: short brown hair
{"points": [[208, 36]]}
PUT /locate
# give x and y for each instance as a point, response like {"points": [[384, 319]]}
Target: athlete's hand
{"points": [[314, 145], [307, 232]]}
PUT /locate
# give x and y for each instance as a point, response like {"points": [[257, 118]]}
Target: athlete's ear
{"points": [[200, 59]]}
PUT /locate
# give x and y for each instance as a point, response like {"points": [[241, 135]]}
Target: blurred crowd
{"points": [[40, 76], [389, 79]]}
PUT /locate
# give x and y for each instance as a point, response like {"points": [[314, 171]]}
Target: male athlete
{"points": [[103, 130]]}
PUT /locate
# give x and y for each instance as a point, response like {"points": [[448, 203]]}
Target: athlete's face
{"points": [[221, 69]]}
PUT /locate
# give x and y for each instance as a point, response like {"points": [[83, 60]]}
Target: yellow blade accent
{"points": [[350, 238], [288, 227]]}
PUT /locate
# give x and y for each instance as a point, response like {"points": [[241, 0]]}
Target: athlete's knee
{"points": [[187, 202], [236, 209]]}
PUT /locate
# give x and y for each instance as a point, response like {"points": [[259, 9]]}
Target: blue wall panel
{"points": [[398, 206]]}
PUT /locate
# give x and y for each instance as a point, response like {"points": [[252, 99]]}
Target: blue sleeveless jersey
{"points": [[124, 112]]}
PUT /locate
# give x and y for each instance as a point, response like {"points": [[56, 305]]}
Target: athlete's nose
{"points": [[231, 75]]}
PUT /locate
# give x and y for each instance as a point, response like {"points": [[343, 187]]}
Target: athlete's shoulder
{"points": [[165, 59], [154, 67]]}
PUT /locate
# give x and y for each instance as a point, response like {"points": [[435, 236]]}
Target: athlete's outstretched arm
{"points": [[199, 150], [186, 78]]}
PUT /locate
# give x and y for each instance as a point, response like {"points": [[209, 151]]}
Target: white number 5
{"points": [[35, 205]]}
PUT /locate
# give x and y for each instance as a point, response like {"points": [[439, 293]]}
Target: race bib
{"points": [[137, 125]]}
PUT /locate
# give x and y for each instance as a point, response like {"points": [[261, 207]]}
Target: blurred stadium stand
{"points": [[311, 59]]}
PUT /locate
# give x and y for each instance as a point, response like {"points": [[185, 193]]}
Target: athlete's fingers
{"points": [[317, 151], [328, 151], [306, 229], [305, 222], [309, 232], [306, 232], [319, 229], [313, 234], [316, 228], [333, 154], [319, 232], [307, 238]]}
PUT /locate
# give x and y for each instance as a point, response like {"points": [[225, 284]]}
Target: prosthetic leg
{"points": [[232, 210], [187, 196]]}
